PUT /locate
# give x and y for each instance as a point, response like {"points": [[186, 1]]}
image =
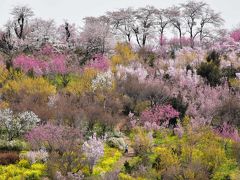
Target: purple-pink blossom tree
{"points": [[228, 131], [54, 138], [158, 116]]}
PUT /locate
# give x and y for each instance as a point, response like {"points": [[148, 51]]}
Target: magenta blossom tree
{"points": [[235, 35], [158, 116], [30, 64]]}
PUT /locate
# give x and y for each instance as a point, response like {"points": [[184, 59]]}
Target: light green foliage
{"points": [[199, 154], [14, 145], [116, 142], [142, 142]]}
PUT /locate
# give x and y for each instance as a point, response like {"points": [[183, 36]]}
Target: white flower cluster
{"points": [[135, 69], [36, 156], [17, 124], [103, 81], [93, 149]]}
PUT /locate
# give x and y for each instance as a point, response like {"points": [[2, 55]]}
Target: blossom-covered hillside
{"points": [[120, 99]]}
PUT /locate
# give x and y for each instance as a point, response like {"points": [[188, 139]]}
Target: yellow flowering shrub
{"points": [[123, 54], [80, 84], [106, 163], [22, 170], [28, 86]]}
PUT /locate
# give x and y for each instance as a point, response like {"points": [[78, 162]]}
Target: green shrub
{"points": [[14, 145], [117, 143], [210, 72]]}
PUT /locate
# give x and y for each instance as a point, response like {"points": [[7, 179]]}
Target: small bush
{"points": [[14, 145], [210, 72], [116, 142], [8, 158]]}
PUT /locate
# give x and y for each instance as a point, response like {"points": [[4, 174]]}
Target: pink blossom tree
{"points": [[29, 64], [54, 138], [158, 116], [99, 62], [235, 35], [58, 64], [228, 131]]}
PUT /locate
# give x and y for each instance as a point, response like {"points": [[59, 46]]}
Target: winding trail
{"points": [[126, 157]]}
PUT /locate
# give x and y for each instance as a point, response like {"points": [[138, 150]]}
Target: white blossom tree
{"points": [[16, 125], [93, 150]]}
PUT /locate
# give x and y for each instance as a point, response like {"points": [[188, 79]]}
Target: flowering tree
{"points": [[228, 131], [41, 31], [54, 138], [29, 64], [99, 62], [158, 116], [103, 81], [21, 16], [58, 65], [16, 125], [93, 149], [68, 33], [235, 35]]}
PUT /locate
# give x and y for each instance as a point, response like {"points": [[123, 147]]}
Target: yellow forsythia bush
{"points": [[106, 163], [123, 54], [28, 86], [23, 170], [80, 84]]}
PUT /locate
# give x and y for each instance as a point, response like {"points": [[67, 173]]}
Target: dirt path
{"points": [[126, 157]]}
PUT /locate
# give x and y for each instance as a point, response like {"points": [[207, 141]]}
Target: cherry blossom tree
{"points": [[21, 16], [143, 26], [121, 22], [93, 150], [42, 32], [96, 36], [16, 125], [162, 21], [176, 19], [68, 34]]}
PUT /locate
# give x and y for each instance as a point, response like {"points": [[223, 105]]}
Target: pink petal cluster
{"points": [[28, 64], [159, 115], [52, 137], [99, 62], [57, 65], [39, 67], [228, 131], [235, 35]]}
